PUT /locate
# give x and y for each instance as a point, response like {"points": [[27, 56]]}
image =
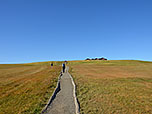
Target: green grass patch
{"points": [[26, 88], [120, 87]]}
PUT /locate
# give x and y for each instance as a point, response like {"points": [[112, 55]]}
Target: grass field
{"points": [[113, 87], [26, 88]]}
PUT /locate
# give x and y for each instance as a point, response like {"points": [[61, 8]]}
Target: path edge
{"points": [[57, 89], [77, 108]]}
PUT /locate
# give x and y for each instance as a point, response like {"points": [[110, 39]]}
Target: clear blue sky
{"points": [[42, 30]]}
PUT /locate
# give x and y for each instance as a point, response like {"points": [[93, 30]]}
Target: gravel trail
{"points": [[64, 100]]}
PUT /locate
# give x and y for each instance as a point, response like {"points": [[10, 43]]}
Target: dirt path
{"points": [[64, 101]]}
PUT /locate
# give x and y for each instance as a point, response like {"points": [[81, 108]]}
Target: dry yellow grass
{"points": [[113, 87], [26, 88]]}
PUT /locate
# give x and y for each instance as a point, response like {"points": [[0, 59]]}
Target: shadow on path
{"points": [[63, 101]]}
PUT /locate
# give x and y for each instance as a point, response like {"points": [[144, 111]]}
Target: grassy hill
{"points": [[26, 88], [113, 87], [103, 87]]}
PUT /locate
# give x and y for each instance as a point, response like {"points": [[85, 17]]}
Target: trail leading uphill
{"points": [[64, 102]]}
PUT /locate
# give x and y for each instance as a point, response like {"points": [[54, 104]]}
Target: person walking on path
{"points": [[63, 67], [51, 64]]}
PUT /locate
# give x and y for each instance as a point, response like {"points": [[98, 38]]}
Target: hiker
{"points": [[63, 67], [51, 64], [65, 62]]}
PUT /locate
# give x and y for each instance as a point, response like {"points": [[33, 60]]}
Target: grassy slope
{"points": [[25, 88], [118, 87]]}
